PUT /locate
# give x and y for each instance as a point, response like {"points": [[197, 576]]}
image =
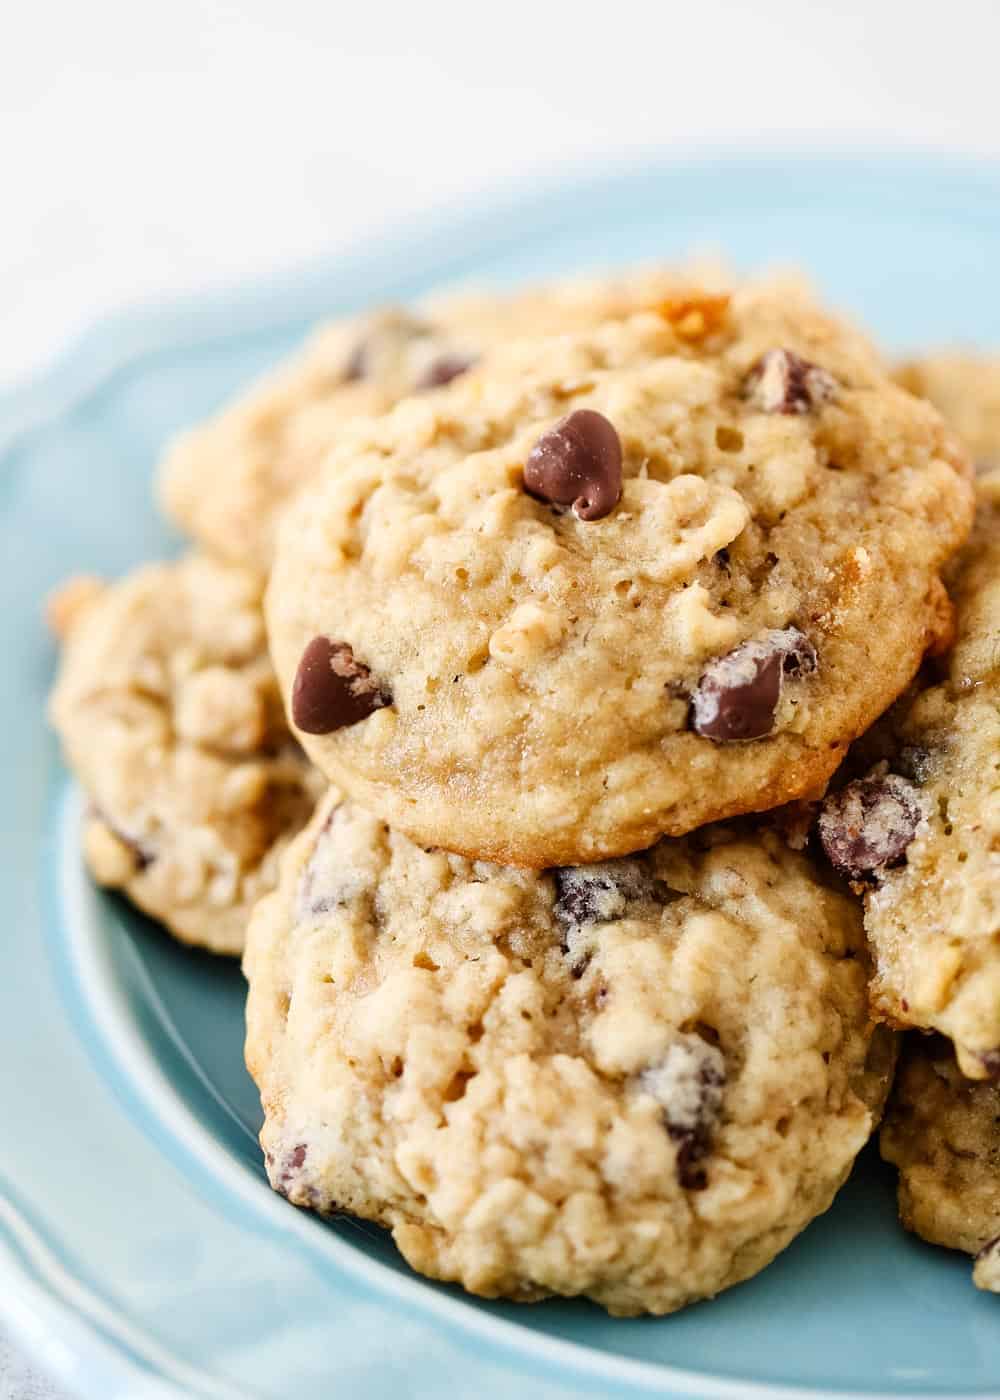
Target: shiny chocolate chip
{"points": [[332, 689], [443, 370], [866, 827], [689, 1082], [577, 463], [783, 382], [737, 696]]}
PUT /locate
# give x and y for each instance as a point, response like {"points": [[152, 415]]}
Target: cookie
{"points": [[227, 481], [618, 583], [919, 833], [635, 1081], [170, 717], [943, 1133], [965, 388]]}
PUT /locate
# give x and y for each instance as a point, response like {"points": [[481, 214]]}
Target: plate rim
{"points": [[113, 343]]}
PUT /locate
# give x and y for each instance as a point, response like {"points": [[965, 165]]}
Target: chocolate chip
{"points": [[867, 826], [283, 1175], [577, 463], [689, 1082], [332, 689], [783, 382], [738, 694], [443, 370], [990, 1061], [598, 894]]}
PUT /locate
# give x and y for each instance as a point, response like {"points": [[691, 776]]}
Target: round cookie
{"points": [[965, 388], [919, 833], [943, 1133], [635, 1081], [170, 717], [618, 583], [227, 481]]}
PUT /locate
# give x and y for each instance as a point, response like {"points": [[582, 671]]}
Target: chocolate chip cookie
{"points": [[170, 717], [943, 1133], [919, 834], [635, 1080], [620, 582], [227, 481]]}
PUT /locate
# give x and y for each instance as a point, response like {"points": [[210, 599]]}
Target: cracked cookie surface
{"points": [[169, 714], [635, 1081], [943, 1133], [227, 481], [580, 647]]}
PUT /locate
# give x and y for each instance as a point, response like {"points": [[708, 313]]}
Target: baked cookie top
{"points": [[620, 582], [170, 717], [636, 1080], [920, 832], [965, 388], [227, 481], [943, 1133]]}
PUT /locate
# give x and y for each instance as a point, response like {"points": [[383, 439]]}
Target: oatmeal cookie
{"points": [[635, 1080], [227, 481], [920, 833], [170, 717], [618, 583], [943, 1133]]}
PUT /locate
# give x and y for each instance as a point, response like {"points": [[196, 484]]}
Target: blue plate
{"points": [[141, 1251]]}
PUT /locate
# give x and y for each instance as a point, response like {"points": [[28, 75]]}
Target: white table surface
{"points": [[151, 148]]}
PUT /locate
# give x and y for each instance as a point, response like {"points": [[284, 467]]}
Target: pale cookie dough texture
{"points": [[943, 1133], [769, 577], [635, 1081], [227, 481], [932, 909], [170, 717], [965, 387]]}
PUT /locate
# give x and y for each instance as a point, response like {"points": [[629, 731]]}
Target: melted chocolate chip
{"points": [[738, 694], [783, 382], [689, 1082], [443, 370], [867, 826], [598, 894], [577, 463], [332, 689]]}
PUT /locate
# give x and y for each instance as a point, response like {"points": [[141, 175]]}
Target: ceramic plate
{"points": [[141, 1251]]}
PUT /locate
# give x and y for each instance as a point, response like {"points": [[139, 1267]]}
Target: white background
{"points": [[155, 146], [148, 146]]}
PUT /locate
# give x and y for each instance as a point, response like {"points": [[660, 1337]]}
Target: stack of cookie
{"points": [[592, 609]]}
